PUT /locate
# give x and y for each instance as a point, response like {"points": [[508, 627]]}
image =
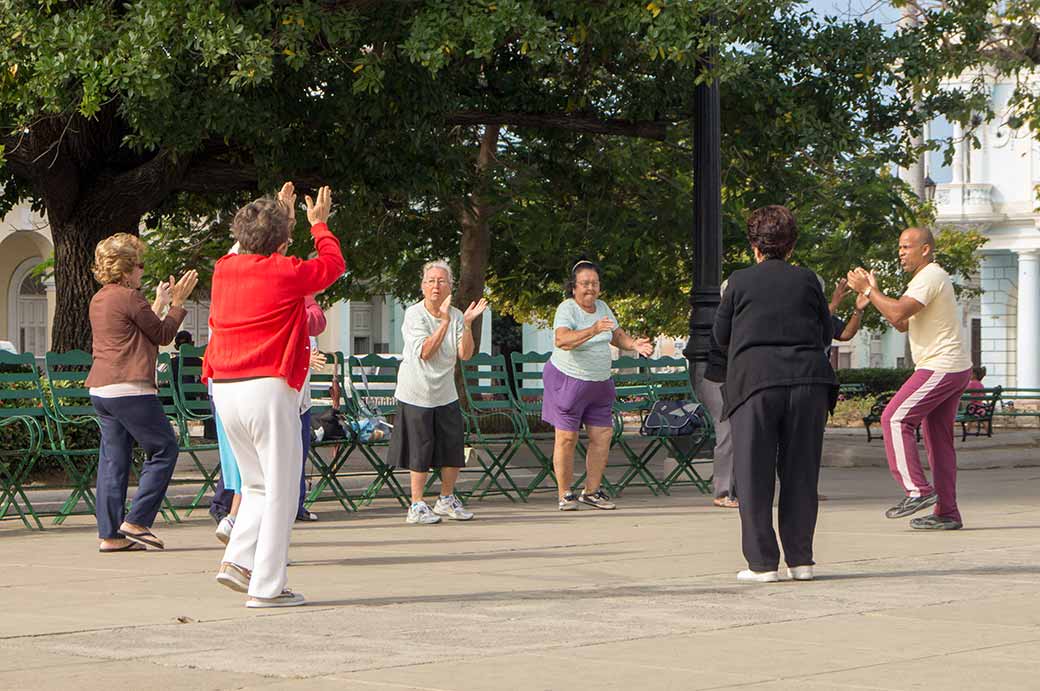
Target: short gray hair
{"points": [[441, 264]]}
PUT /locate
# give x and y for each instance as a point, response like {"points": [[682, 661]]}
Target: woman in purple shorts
{"points": [[578, 387]]}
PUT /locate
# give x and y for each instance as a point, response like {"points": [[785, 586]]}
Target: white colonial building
{"points": [[992, 189]]}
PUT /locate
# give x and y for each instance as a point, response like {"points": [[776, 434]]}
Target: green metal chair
{"points": [[327, 393], [23, 432], [528, 393], [632, 402], [495, 427], [77, 434], [371, 381], [670, 380], [191, 398]]}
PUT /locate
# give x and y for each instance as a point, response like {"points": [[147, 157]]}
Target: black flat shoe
{"points": [[143, 538], [128, 547]]}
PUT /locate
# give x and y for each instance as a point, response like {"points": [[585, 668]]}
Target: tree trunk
{"points": [[475, 246], [74, 242]]}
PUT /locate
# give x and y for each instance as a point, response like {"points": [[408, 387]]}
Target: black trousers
{"points": [[778, 432]]}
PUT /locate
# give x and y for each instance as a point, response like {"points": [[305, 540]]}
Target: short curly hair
{"points": [[262, 226], [772, 229], [116, 257]]}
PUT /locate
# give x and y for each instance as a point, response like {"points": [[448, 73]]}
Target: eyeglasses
{"points": [[587, 284], [436, 282]]}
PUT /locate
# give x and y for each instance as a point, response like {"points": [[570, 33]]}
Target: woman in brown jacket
{"points": [[127, 333]]}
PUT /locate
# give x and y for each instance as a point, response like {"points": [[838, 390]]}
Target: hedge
{"points": [[876, 380]]}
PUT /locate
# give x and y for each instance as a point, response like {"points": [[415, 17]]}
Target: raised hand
{"points": [[182, 289], [287, 197], [318, 360], [163, 295], [318, 211], [841, 289], [858, 279], [603, 325], [861, 302], [474, 310], [444, 313], [644, 347]]}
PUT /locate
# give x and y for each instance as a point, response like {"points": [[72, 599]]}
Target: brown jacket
{"points": [[127, 335]]}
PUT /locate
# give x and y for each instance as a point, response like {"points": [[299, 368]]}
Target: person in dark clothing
{"points": [[776, 327]]}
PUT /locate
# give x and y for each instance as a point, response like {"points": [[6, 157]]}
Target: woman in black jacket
{"points": [[775, 325]]}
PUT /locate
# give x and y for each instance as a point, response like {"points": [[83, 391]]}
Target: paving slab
{"points": [[526, 597]]}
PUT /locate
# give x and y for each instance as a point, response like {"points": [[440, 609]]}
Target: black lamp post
{"points": [[707, 215]]}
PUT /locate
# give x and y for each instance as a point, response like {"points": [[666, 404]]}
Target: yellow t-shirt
{"points": [[935, 331]]}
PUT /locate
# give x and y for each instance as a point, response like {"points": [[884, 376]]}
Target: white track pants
{"points": [[262, 420]]}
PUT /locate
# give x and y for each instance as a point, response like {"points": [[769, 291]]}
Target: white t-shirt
{"points": [[935, 331], [591, 360], [428, 383]]}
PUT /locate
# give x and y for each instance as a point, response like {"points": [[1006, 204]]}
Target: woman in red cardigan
{"points": [[258, 358]]}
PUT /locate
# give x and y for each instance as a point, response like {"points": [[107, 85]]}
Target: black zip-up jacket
{"points": [[775, 328]]}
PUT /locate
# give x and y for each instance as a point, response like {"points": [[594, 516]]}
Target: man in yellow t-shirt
{"points": [[929, 398]]}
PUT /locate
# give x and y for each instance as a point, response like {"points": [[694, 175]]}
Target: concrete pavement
{"points": [[526, 597]]}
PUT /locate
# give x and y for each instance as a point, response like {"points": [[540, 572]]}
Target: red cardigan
{"points": [[257, 314]]}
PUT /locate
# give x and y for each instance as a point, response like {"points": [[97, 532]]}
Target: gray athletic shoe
{"points": [[420, 513], [569, 502], [934, 522], [911, 505], [599, 499]]}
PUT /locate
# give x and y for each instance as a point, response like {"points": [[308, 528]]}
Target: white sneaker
{"points": [[749, 576], [287, 599], [234, 576], [224, 528], [451, 507], [420, 513], [800, 573]]}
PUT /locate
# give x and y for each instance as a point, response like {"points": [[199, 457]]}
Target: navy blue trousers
{"points": [[221, 504], [123, 421]]}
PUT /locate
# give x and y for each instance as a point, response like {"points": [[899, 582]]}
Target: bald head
{"points": [[916, 248]]}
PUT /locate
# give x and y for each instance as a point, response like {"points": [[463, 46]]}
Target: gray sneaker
{"points": [[569, 502], [599, 499], [452, 507], [420, 513], [934, 522], [911, 505]]}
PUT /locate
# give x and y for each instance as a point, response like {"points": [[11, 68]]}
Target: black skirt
{"points": [[426, 438]]}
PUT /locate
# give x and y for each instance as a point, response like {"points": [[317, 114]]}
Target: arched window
{"points": [[27, 310]]}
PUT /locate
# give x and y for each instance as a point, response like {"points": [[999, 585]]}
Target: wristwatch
{"points": [[866, 293]]}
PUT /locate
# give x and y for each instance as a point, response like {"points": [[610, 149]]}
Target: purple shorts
{"points": [[569, 402]]}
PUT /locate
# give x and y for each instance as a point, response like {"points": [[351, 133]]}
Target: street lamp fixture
{"points": [[929, 189]]}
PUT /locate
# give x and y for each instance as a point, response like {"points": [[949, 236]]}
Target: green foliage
{"points": [[361, 96], [877, 380]]}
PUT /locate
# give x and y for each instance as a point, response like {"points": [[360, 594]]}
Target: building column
{"points": [[1028, 331]]}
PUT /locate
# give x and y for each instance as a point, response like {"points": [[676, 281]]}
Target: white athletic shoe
{"points": [[749, 576], [287, 599], [420, 513], [800, 573], [451, 507], [224, 528]]}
